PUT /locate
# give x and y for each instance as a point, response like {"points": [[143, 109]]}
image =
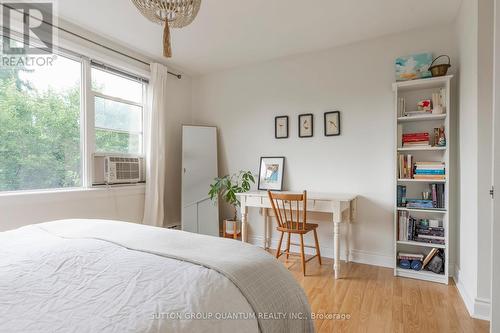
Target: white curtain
{"points": [[155, 146]]}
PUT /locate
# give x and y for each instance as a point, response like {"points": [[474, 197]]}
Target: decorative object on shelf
{"points": [[281, 127], [436, 264], [424, 105], [271, 173], [442, 138], [226, 188], [441, 69], [332, 123], [306, 125], [170, 14], [437, 104], [414, 66]]}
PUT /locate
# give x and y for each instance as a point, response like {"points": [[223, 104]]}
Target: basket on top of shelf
{"points": [[440, 69]]}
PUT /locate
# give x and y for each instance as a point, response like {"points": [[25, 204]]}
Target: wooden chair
{"points": [[292, 219]]}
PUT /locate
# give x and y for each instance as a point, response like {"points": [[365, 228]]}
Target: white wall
{"points": [[484, 149], [467, 230], [179, 112], [475, 36], [355, 79]]}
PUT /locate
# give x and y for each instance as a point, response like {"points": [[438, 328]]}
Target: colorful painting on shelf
{"points": [[415, 66]]}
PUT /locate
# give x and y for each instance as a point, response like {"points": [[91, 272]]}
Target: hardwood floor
{"points": [[376, 301]]}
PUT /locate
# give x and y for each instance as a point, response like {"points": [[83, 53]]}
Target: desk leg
{"points": [[244, 223], [337, 218], [348, 241], [265, 213]]}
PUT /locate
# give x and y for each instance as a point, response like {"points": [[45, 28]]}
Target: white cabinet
{"points": [[199, 168]]}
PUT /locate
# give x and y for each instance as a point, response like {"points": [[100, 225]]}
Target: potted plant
{"points": [[226, 188]]}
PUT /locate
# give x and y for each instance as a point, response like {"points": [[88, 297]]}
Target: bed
{"points": [[112, 276]]}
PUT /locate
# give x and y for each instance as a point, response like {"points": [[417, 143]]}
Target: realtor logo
{"points": [[27, 28]]}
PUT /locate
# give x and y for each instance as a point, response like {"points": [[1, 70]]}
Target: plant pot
{"points": [[231, 229]]}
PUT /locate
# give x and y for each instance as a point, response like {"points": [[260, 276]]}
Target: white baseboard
{"points": [[359, 256], [477, 307]]}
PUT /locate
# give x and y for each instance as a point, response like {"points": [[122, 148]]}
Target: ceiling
{"points": [[232, 33]]}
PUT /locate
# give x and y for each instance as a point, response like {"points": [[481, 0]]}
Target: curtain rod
{"points": [[178, 76]]}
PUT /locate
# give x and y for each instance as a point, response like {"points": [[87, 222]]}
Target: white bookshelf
{"points": [[413, 91]]}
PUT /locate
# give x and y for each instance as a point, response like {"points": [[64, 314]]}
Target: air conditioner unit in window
{"points": [[118, 169]]}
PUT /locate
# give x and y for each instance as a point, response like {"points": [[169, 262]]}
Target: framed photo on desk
{"points": [[271, 173]]}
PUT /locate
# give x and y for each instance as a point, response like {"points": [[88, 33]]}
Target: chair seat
{"points": [[288, 228]]}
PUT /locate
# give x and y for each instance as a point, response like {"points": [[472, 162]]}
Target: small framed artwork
{"points": [[306, 125], [281, 127], [332, 123], [271, 173]]}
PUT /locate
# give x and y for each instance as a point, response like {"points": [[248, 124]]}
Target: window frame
{"points": [[89, 120], [87, 108], [91, 107]]}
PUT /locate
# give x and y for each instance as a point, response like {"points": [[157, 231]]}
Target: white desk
{"points": [[342, 206]]}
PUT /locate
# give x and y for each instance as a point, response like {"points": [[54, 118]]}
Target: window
{"points": [[118, 109], [41, 127]]}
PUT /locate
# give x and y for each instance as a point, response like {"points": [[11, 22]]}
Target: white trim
{"points": [[359, 256], [469, 303], [478, 308], [372, 258], [482, 308], [6, 198]]}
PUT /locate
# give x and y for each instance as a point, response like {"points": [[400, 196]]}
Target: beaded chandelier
{"points": [[169, 13]]}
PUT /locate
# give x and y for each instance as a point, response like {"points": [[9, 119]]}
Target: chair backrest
{"points": [[287, 208]]}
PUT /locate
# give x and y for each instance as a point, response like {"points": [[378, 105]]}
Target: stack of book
{"points": [[429, 170], [432, 235], [416, 140], [410, 260], [405, 166], [420, 203], [410, 256], [420, 230]]}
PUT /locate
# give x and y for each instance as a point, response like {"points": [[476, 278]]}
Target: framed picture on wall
{"points": [[281, 127], [271, 173], [332, 123], [306, 125]]}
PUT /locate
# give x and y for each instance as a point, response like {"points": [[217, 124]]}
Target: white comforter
{"points": [[53, 284]]}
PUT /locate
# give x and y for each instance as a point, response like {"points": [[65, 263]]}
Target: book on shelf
{"points": [[437, 194], [405, 166], [436, 200], [408, 169], [420, 139], [429, 256], [418, 113], [401, 196], [410, 256], [419, 230], [420, 203], [430, 170], [401, 107]]}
